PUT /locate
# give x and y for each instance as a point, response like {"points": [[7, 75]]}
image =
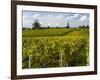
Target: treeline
{"points": [[36, 25], [84, 26]]}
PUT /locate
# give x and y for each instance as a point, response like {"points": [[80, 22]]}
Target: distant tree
{"points": [[84, 26], [80, 26], [87, 26], [68, 25], [56, 26], [23, 28], [48, 26], [36, 25]]}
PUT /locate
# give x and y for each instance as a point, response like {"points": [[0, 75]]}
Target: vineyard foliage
{"points": [[55, 48]]}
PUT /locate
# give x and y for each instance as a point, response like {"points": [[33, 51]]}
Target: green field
{"points": [[55, 47]]}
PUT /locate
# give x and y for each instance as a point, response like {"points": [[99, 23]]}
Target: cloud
{"points": [[55, 19], [68, 18], [75, 15], [36, 16], [26, 17], [72, 17], [59, 16], [27, 23], [57, 24], [52, 20], [83, 18]]}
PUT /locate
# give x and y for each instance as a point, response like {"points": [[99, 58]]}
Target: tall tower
{"points": [[67, 24]]}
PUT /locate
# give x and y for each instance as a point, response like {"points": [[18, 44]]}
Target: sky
{"points": [[54, 19]]}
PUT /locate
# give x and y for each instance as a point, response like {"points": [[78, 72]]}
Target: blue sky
{"points": [[55, 19]]}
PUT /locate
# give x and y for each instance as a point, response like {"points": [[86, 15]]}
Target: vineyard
{"points": [[58, 47]]}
